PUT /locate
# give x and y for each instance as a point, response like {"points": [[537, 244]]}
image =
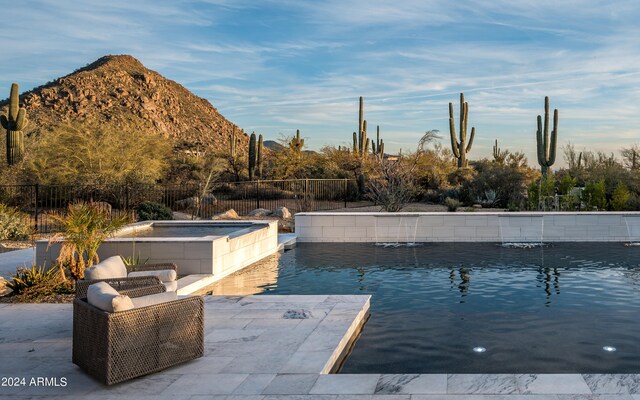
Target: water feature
{"points": [[521, 231], [404, 225], [633, 230]]}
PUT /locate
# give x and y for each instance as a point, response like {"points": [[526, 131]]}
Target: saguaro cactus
{"points": [[260, 151], [252, 155], [232, 145], [14, 122], [461, 148], [296, 144], [546, 148], [499, 156], [377, 148], [360, 141]]}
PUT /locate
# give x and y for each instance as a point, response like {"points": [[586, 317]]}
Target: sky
{"points": [[274, 66]]}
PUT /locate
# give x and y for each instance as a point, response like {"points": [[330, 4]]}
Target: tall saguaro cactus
{"points": [[546, 148], [14, 122], [232, 145], [260, 151], [252, 155], [461, 148], [296, 144], [360, 141], [377, 148]]}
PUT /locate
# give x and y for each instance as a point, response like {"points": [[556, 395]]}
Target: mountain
{"points": [[273, 145], [119, 92]]}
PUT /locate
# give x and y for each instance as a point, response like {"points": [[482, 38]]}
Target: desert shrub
{"points": [[30, 277], [13, 224], [620, 197], [452, 204], [494, 185], [152, 211], [594, 195]]}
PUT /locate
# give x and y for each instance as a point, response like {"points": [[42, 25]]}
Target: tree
{"points": [[620, 197], [74, 154]]}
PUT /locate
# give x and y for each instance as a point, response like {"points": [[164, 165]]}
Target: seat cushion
{"points": [[165, 275], [171, 286], [153, 299], [101, 295], [109, 268]]}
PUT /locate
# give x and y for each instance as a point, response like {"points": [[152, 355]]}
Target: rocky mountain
{"points": [[119, 92]]}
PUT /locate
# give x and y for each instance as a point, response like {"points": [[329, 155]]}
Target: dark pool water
{"points": [[542, 310], [185, 231]]}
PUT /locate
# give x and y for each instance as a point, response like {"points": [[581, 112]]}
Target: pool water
{"points": [[191, 230], [541, 310]]}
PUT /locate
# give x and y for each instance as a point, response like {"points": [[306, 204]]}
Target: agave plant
{"points": [[29, 277], [83, 229]]}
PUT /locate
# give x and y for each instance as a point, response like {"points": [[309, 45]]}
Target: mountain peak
{"points": [[119, 92]]}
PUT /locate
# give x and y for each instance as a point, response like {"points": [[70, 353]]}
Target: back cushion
{"points": [[109, 268], [165, 275], [101, 295]]}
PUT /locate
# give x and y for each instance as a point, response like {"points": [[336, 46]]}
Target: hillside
{"points": [[120, 92]]}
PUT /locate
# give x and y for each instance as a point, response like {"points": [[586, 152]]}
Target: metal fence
{"points": [[39, 201]]}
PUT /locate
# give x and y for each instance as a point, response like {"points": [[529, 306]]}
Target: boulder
{"points": [[282, 213], [229, 214], [260, 212], [4, 290]]}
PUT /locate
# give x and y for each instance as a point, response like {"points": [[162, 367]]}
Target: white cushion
{"points": [[109, 268], [165, 275], [171, 286], [106, 298], [153, 299]]}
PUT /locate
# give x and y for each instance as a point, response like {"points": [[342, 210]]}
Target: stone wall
{"points": [[468, 227]]}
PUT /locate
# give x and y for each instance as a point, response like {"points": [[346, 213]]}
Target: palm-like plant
{"points": [[83, 229]]}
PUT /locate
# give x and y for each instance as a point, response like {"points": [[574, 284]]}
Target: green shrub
{"points": [[31, 277], [620, 197], [13, 224], [452, 204], [152, 211], [594, 195]]}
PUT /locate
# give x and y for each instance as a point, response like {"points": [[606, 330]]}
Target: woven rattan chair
{"points": [[115, 347], [127, 283]]}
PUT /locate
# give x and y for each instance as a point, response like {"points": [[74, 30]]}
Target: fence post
{"points": [[258, 193], [35, 208], [346, 185]]}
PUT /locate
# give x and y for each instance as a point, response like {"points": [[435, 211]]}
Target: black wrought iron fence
{"points": [[39, 201]]}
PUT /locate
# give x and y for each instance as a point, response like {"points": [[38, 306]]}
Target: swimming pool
{"points": [[543, 310]]}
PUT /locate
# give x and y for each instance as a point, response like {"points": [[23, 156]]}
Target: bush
{"points": [[13, 224], [452, 204], [30, 277], [620, 197], [152, 211], [595, 195]]}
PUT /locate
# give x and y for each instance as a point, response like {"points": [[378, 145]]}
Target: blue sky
{"points": [[275, 66]]}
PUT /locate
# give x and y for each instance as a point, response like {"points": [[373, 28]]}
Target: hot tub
{"points": [[197, 247]]}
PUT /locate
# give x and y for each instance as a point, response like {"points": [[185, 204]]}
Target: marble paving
{"points": [[266, 348]]}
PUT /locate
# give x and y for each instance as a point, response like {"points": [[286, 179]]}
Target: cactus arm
{"points": [[554, 139], [355, 142], [452, 131], [381, 150], [546, 128], [361, 114], [21, 120], [473, 133], [4, 121], [366, 146], [13, 102]]}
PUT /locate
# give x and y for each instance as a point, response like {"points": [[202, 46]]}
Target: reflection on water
{"points": [[252, 280], [540, 310]]}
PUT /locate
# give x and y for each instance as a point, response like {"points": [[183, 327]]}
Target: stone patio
{"points": [[254, 352]]}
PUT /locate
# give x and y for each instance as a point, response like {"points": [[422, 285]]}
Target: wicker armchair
{"points": [[126, 283], [115, 347]]}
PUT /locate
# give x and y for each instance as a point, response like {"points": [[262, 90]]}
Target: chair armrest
{"points": [[151, 267], [118, 284], [144, 291]]}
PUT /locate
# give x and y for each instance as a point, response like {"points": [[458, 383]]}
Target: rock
{"points": [[229, 214], [282, 213], [260, 212], [4, 290]]}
